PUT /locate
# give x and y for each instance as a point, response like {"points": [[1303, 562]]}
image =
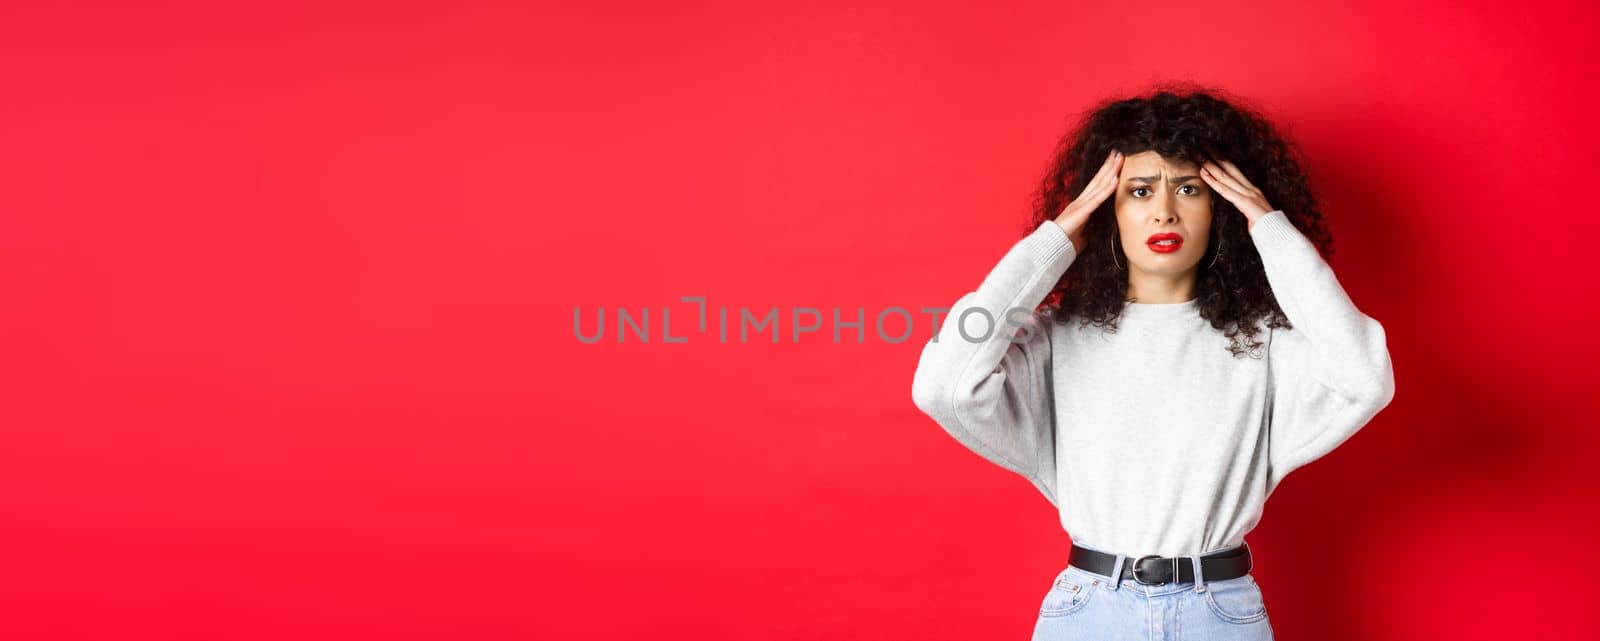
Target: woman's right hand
{"points": [[1104, 183]]}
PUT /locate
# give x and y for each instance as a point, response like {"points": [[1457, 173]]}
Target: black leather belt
{"points": [[1152, 569]]}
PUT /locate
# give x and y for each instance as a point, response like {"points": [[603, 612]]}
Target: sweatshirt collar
{"points": [[1187, 307]]}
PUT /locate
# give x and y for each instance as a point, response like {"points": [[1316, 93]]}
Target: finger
{"points": [[1111, 181], [1111, 158], [1097, 192], [1097, 187], [1245, 201], [1107, 176], [1224, 169], [1238, 176], [1114, 175], [1225, 190], [1234, 171], [1217, 173], [1104, 182], [1109, 167]]}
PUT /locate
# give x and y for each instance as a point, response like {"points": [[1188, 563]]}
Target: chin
{"points": [[1176, 266]]}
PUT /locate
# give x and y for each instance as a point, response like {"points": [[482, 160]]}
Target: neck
{"points": [[1160, 288]]}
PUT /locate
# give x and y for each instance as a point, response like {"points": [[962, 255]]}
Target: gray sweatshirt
{"points": [[1154, 439]]}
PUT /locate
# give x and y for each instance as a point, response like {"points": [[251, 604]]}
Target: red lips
{"points": [[1165, 248]]}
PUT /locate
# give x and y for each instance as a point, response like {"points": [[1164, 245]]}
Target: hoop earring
{"points": [[1114, 252], [1216, 256]]}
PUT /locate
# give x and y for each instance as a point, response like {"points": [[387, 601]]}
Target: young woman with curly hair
{"points": [[1161, 348]]}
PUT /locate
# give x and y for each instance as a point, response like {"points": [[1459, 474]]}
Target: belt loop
{"points": [[1116, 572], [1199, 577]]}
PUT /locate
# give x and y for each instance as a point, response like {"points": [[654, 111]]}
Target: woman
{"points": [[1165, 344]]}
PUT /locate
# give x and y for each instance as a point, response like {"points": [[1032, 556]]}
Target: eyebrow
{"points": [[1151, 179]]}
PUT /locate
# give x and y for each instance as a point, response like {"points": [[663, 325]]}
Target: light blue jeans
{"points": [[1085, 605]]}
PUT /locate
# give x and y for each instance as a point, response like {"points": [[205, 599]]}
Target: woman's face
{"points": [[1156, 199]]}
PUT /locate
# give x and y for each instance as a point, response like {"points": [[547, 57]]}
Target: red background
{"points": [[288, 296]]}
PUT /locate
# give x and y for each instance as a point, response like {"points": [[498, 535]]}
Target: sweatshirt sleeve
{"points": [[1331, 373], [988, 386]]}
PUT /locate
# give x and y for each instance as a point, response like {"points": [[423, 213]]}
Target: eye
{"points": [[1136, 191], [1196, 189]]}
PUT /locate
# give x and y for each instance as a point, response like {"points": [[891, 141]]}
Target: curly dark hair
{"points": [[1181, 124]]}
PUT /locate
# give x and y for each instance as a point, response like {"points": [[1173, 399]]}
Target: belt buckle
{"points": [[1141, 580]]}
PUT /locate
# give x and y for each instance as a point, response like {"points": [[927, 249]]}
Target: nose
{"points": [[1165, 211]]}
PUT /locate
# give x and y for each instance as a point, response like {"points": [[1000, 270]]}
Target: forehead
{"points": [[1151, 162]]}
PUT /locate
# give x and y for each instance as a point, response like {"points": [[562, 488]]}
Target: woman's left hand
{"points": [[1227, 180]]}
